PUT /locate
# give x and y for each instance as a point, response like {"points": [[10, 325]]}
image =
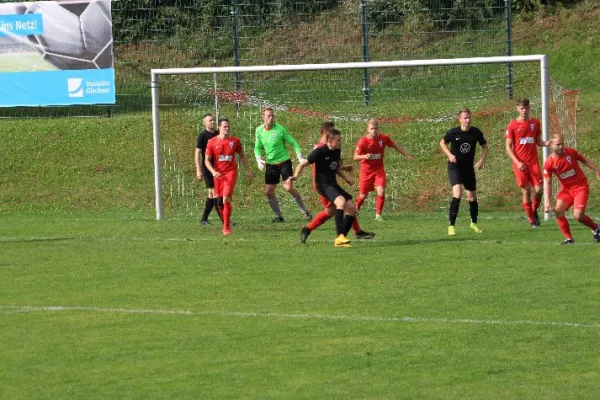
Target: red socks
{"points": [[529, 211], [359, 202], [318, 220], [587, 221], [564, 227], [226, 215], [379, 202]]}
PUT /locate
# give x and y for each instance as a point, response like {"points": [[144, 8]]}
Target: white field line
{"points": [[8, 309], [216, 237]]}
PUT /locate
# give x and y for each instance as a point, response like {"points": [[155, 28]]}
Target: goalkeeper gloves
{"points": [[261, 163]]}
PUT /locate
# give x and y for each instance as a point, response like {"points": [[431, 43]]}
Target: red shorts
{"points": [[575, 196], [531, 176], [225, 184], [369, 180]]}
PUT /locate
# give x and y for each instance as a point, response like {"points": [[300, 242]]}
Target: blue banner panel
{"points": [[44, 88], [22, 25], [56, 53]]}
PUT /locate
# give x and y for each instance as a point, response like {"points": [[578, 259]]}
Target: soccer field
{"points": [[110, 305]]}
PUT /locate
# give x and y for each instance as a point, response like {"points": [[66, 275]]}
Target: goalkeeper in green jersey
{"points": [[272, 137]]}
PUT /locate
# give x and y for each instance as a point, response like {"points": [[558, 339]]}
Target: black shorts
{"points": [[332, 192], [209, 179], [274, 171], [462, 176]]}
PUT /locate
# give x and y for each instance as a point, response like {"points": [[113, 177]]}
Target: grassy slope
{"points": [[570, 39], [69, 163]]}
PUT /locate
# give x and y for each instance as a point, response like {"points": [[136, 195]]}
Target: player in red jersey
{"points": [[370, 151], [328, 206], [574, 187], [220, 161], [522, 138]]}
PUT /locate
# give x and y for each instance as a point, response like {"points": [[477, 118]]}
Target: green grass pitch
{"points": [[108, 305]]}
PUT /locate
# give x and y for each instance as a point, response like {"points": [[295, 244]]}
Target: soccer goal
{"points": [[416, 102]]}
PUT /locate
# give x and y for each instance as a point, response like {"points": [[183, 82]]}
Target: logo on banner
{"points": [[75, 87], [78, 87]]}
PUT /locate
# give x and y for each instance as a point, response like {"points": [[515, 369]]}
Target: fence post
{"points": [[236, 44], [365, 49], [508, 29]]}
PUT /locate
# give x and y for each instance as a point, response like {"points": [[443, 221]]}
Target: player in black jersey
{"points": [[327, 161], [459, 145], [202, 173]]}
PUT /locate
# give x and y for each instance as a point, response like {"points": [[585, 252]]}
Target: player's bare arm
{"points": [[484, 153], [346, 167], [198, 157], [542, 143], [358, 157], [402, 151], [301, 165], [547, 194], [446, 150], [342, 174], [591, 165], [244, 161], [509, 150], [209, 166]]}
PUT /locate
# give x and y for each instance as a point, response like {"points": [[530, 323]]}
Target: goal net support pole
{"points": [[156, 73]]}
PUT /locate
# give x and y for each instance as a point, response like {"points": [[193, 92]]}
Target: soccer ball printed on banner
{"points": [[77, 34]]}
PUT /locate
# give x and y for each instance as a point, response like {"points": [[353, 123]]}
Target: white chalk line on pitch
{"points": [[7, 309], [218, 238]]}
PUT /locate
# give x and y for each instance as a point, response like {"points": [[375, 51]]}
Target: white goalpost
{"points": [[212, 72]]}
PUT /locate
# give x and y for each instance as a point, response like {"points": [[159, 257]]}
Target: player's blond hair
{"points": [[464, 110]]}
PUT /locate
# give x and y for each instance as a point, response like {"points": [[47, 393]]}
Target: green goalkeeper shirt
{"points": [[273, 140]]}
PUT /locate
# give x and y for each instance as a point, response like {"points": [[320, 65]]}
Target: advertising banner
{"points": [[56, 53]]}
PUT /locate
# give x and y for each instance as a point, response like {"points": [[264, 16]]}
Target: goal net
{"points": [[415, 101]]}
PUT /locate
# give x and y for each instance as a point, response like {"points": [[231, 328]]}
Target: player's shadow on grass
{"points": [[37, 240], [413, 242], [278, 227]]}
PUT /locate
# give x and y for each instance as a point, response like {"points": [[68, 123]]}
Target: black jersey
{"points": [[201, 144], [202, 141], [326, 164], [462, 144]]}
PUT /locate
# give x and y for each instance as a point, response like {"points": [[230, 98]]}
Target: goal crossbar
{"points": [[155, 73]]}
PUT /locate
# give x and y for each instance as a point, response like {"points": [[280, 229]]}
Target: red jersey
{"points": [[524, 136], [375, 147], [222, 153], [566, 168]]}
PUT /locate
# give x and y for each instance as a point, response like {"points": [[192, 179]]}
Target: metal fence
{"points": [[185, 33]]}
